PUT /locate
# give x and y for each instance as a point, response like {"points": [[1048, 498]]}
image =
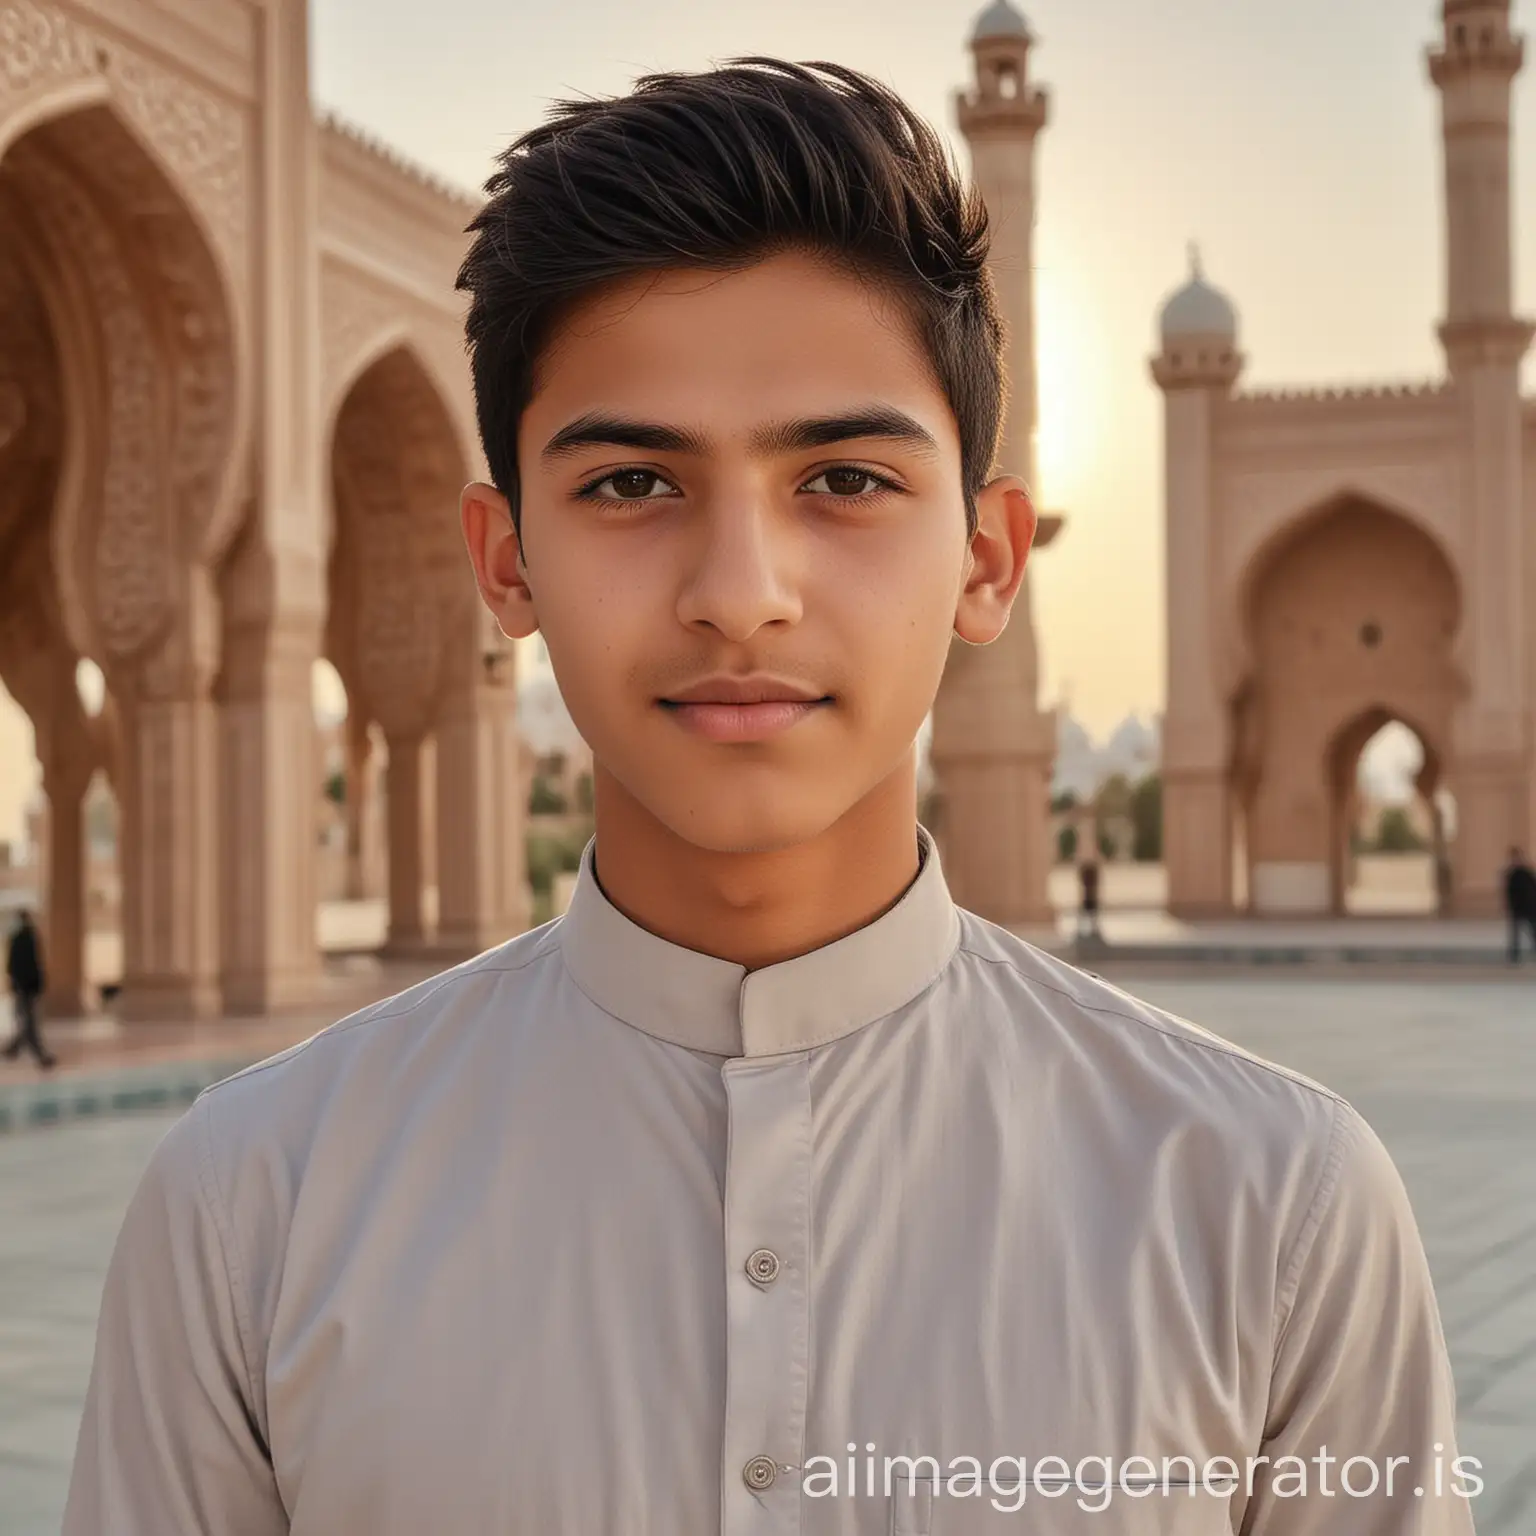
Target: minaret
{"points": [[1474, 67], [1197, 366], [993, 750]]}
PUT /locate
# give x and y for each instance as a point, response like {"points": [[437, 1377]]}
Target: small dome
{"points": [[999, 20], [1198, 309]]}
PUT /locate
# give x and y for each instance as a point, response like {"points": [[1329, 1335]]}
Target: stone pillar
{"points": [[481, 863], [1196, 371], [274, 582], [993, 750], [270, 766], [1197, 841], [170, 860], [405, 814], [63, 924], [1196, 744]]}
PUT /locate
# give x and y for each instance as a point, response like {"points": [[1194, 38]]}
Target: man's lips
{"points": [[727, 721]]}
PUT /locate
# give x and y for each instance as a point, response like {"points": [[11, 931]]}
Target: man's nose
{"points": [[741, 568]]}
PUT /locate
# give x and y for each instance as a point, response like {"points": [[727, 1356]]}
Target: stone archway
{"points": [[1352, 620], [128, 431], [1345, 753], [37, 656], [407, 635]]}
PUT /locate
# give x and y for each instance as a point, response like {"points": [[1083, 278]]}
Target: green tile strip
{"points": [[125, 1090]]}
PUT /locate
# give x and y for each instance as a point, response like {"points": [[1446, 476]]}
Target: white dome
{"points": [[1198, 309], [999, 20]]}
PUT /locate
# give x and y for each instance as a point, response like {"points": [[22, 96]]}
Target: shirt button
{"points": [[763, 1266], [759, 1473]]}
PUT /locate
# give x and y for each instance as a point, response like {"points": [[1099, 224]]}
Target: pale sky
{"points": [[1298, 143]]}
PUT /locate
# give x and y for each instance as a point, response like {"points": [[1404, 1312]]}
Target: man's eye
{"points": [[845, 480], [630, 485]]}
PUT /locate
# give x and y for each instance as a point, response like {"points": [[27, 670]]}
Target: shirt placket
{"points": [[767, 1304]]}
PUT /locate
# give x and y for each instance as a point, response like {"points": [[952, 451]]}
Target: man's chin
{"points": [[719, 826]]}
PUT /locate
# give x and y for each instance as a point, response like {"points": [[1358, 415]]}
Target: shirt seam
{"points": [[1214, 1047], [213, 1196], [1322, 1197]]}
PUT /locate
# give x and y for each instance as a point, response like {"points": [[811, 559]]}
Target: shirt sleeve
{"points": [[169, 1443], [1360, 1369]]}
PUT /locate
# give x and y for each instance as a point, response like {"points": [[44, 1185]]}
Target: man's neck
{"points": [[757, 909]]}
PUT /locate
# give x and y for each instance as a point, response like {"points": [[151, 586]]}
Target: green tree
{"points": [[544, 799], [1066, 844], [1395, 832], [1113, 797], [336, 786], [1147, 819]]}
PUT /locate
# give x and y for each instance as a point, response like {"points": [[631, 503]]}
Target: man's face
{"points": [[744, 476]]}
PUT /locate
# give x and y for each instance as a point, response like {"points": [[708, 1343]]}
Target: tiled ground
{"points": [[1445, 1071]]}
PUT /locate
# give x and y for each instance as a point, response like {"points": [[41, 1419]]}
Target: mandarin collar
{"points": [[717, 1006]]}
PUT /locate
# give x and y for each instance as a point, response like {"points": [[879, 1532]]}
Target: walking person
{"points": [[1088, 910], [1519, 902], [24, 967]]}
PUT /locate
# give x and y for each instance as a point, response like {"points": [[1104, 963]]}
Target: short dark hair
{"points": [[718, 170]]}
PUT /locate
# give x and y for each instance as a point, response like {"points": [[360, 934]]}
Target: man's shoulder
{"points": [[1168, 1068], [386, 1041]]}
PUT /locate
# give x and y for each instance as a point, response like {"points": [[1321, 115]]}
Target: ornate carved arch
{"points": [[148, 350], [400, 594]]}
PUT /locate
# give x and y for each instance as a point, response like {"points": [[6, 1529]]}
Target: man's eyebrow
{"points": [[882, 421], [598, 429]]}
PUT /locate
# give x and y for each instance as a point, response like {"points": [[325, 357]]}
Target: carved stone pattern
{"points": [[351, 315], [129, 557], [29, 373], [38, 45], [399, 642], [203, 139], [170, 250], [414, 601]]}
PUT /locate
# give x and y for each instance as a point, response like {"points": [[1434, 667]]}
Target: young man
{"points": [[765, 1163]]}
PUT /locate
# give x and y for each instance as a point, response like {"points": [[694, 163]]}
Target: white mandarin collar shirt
{"points": [[923, 1233], [712, 1005]]}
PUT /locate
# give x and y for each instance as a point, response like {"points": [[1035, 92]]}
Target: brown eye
{"points": [[845, 480], [632, 484]]}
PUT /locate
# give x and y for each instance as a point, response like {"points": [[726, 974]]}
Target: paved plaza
{"points": [[1445, 1071]]}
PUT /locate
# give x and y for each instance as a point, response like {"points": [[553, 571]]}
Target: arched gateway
{"points": [[1338, 559]]}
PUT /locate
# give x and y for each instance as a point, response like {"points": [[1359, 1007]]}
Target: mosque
{"points": [[235, 415], [1341, 559]]}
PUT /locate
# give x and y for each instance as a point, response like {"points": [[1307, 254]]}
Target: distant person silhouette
{"points": [[1519, 902], [24, 966], [1088, 912]]}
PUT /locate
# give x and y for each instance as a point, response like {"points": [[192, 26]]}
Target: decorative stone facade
{"points": [[1340, 559], [232, 374]]}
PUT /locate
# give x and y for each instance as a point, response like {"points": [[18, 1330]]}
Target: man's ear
{"points": [[496, 554], [999, 549]]}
